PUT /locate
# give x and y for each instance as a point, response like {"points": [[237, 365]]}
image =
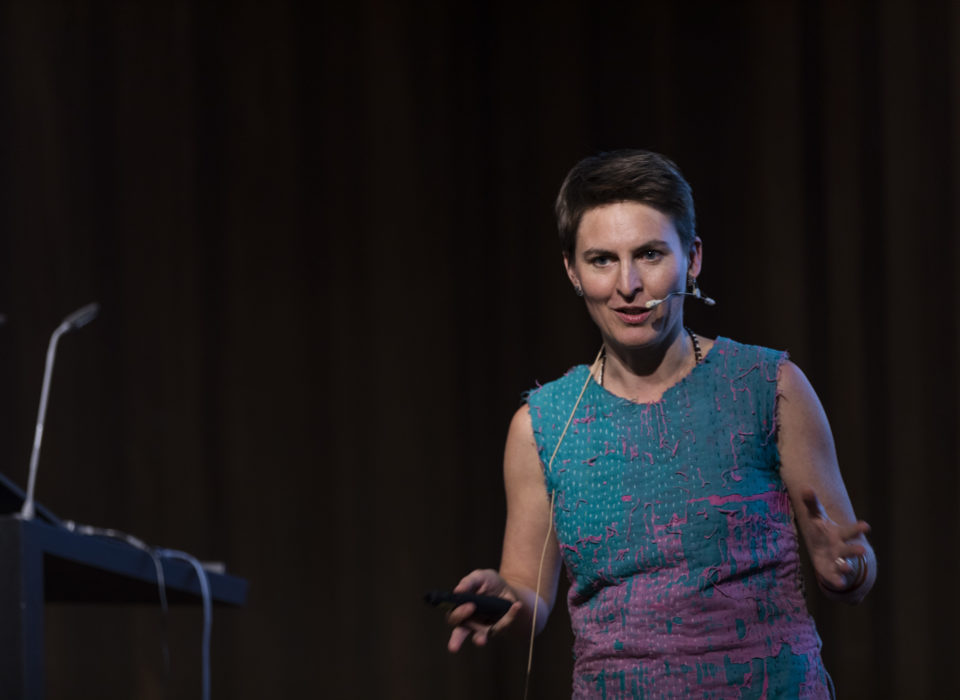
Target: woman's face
{"points": [[626, 255]]}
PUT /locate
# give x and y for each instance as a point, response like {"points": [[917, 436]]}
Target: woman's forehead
{"points": [[625, 223]]}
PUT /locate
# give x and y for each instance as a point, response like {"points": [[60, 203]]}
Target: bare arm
{"points": [[831, 532], [525, 539]]}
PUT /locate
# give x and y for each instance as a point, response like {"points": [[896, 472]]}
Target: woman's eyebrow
{"points": [[596, 251], [656, 243]]}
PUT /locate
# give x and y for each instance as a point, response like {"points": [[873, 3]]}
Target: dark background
{"points": [[322, 238]]}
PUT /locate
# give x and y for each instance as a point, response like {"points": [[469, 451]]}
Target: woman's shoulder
{"points": [[746, 352], [546, 401], [745, 365], [573, 377]]}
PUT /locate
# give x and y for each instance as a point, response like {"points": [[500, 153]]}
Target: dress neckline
{"points": [[707, 359]]}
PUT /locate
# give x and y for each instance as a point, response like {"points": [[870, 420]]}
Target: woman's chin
{"points": [[638, 338]]}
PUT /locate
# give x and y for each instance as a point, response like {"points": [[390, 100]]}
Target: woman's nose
{"points": [[630, 282]]}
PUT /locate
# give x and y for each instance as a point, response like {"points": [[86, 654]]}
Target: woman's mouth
{"points": [[633, 314]]}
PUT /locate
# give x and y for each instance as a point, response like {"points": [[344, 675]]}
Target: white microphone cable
{"points": [[207, 611], [157, 555]]}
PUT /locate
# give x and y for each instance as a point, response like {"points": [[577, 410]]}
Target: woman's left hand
{"points": [[832, 546], [836, 541]]}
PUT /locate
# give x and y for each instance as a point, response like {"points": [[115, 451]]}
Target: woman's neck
{"points": [[643, 374]]}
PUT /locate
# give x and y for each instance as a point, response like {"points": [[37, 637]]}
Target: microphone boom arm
{"points": [[654, 303]]}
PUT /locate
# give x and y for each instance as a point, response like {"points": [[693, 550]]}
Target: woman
{"points": [[668, 476]]}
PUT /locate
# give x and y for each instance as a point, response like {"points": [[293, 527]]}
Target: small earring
{"points": [[578, 290]]}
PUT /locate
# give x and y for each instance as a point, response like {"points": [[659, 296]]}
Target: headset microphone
{"points": [[654, 303]]}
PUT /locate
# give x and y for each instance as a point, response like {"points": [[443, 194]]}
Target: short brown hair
{"points": [[628, 175]]}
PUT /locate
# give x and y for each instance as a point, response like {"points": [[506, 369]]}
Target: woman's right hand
{"points": [[531, 556], [483, 582]]}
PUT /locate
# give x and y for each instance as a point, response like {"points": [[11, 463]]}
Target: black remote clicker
{"points": [[489, 608]]}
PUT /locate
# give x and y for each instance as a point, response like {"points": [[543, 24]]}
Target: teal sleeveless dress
{"points": [[677, 535]]}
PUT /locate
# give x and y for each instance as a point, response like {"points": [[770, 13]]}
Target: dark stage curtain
{"points": [[322, 238]]}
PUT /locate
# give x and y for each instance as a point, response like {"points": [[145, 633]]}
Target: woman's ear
{"points": [[696, 257], [571, 273]]}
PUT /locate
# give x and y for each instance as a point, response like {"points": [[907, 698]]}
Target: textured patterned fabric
{"points": [[677, 535]]}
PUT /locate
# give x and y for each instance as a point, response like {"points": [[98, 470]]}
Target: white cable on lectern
{"points": [[207, 610]]}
